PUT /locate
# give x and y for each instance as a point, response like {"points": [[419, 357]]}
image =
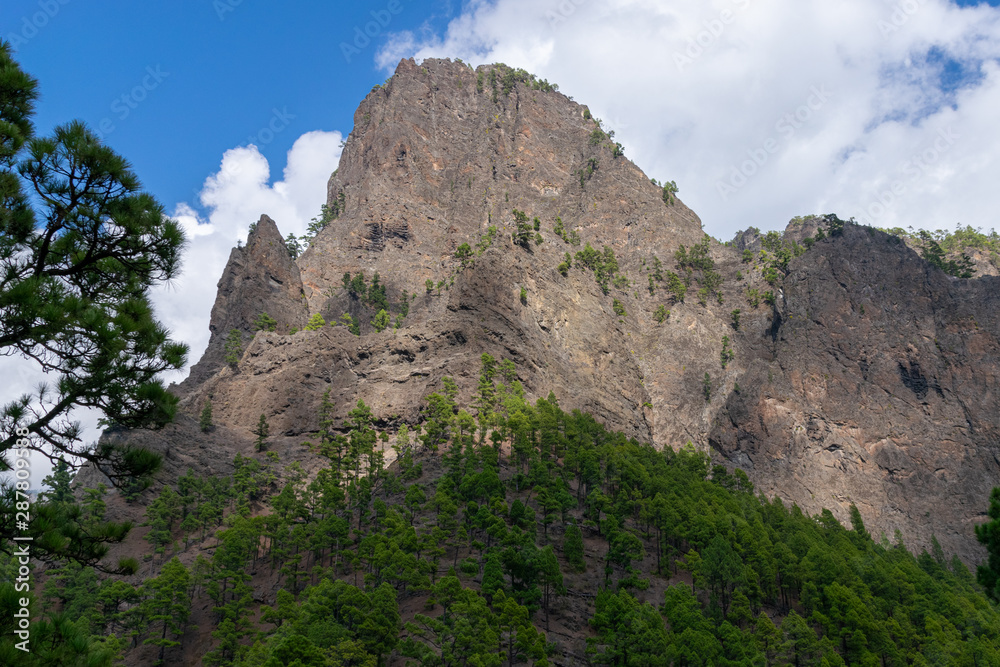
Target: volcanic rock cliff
{"points": [[440, 155], [880, 388], [871, 380]]}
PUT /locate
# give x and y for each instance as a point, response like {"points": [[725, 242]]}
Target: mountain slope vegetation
{"points": [[523, 535]]}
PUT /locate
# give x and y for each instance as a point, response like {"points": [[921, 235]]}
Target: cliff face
{"points": [[435, 161], [440, 153], [882, 391], [872, 380]]}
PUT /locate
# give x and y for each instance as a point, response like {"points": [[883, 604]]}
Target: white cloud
{"points": [[234, 197], [695, 90]]}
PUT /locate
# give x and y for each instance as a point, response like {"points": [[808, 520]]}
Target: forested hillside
{"points": [[521, 535]]}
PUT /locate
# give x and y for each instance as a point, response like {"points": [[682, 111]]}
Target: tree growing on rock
{"points": [[350, 323], [234, 347], [315, 323], [205, 421], [522, 229], [381, 321], [261, 431], [265, 323]]}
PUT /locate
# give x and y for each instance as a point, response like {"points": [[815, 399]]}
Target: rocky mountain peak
{"points": [[441, 152], [260, 277], [445, 157]]}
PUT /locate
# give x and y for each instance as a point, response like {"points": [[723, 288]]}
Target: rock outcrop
{"points": [[260, 277], [441, 155], [881, 390]]}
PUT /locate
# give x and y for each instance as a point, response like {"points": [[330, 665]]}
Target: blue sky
{"points": [[223, 68], [760, 111]]}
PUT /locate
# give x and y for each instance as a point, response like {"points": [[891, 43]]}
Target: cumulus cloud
{"points": [[763, 111]]}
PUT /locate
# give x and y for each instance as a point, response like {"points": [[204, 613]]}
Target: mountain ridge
{"points": [[517, 254], [443, 153]]}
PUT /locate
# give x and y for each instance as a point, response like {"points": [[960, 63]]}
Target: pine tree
{"points": [[988, 534], [58, 483], [265, 323], [81, 246], [205, 421], [522, 229], [551, 579], [169, 604], [440, 417], [315, 323], [233, 347], [937, 552], [261, 431], [518, 638], [381, 321], [118, 600], [350, 323], [229, 636], [332, 445], [293, 245], [630, 633], [858, 524], [676, 286], [160, 517], [285, 609], [768, 638], [803, 647], [493, 580], [380, 631], [298, 651], [486, 397], [573, 547], [362, 437]]}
